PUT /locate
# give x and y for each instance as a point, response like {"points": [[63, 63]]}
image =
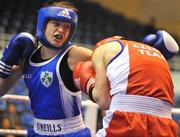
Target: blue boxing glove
{"points": [[164, 42], [20, 47]]}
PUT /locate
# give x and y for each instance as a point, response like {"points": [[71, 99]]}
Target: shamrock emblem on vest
{"points": [[46, 78]]}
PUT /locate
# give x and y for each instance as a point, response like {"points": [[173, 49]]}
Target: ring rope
{"points": [[26, 99], [16, 97], [12, 132]]}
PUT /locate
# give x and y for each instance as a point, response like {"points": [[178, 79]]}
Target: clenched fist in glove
{"points": [[84, 77], [164, 42], [20, 47]]}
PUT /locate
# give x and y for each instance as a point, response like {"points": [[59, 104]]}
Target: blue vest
{"points": [[50, 99]]}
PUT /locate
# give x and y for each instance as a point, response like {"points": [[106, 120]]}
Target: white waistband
{"points": [[58, 127], [141, 104]]}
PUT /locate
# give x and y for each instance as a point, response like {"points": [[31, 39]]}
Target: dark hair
{"points": [[64, 4]]}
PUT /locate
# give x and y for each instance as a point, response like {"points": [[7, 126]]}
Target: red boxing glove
{"points": [[84, 77]]}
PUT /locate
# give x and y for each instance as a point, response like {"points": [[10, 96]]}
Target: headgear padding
{"points": [[55, 13]]}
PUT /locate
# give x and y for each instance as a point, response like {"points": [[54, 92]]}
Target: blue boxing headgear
{"points": [[55, 13]]}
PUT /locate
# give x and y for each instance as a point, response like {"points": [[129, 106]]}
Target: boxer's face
{"points": [[57, 32]]}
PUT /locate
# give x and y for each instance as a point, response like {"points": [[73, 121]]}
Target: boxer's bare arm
{"points": [[101, 57], [101, 91], [77, 54]]}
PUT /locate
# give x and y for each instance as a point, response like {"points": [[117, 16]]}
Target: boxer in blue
{"points": [[47, 70]]}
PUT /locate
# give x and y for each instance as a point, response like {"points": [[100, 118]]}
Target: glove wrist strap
{"points": [[90, 93], [5, 70]]}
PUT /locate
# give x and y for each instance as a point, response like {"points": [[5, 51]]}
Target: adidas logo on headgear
{"points": [[64, 13]]}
